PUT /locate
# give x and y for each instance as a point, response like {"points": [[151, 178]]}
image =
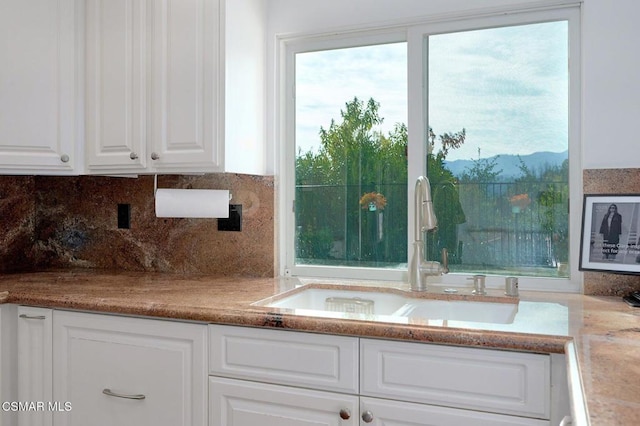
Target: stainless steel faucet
{"points": [[426, 220]]}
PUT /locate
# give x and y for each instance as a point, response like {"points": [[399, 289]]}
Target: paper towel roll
{"points": [[202, 203]]}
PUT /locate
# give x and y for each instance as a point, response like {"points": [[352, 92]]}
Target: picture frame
{"points": [[610, 240]]}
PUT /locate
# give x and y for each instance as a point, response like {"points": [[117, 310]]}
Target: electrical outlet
{"points": [[234, 222], [124, 216]]}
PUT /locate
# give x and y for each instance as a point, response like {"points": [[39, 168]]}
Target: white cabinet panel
{"points": [[41, 53], [185, 70], [479, 379], [35, 374], [284, 357], [396, 413], [116, 78], [244, 403], [8, 361], [129, 371]]}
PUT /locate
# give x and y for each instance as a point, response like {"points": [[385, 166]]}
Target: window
{"points": [[492, 120]]}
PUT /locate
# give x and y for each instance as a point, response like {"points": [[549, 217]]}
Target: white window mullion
{"points": [[417, 126]]}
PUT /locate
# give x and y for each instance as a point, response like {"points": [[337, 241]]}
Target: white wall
{"points": [[611, 58], [611, 94]]}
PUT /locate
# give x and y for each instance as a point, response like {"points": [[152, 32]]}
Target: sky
{"points": [[506, 86]]}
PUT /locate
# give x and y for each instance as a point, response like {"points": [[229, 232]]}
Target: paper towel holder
{"points": [[155, 187]]}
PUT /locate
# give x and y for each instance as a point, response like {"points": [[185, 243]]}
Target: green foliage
{"points": [[555, 213], [445, 195], [314, 243], [550, 199], [499, 219], [353, 159], [482, 170]]}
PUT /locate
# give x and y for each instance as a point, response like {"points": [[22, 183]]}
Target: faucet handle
{"points": [[478, 284]]}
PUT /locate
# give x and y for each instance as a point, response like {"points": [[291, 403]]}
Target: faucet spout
{"points": [[425, 220], [425, 217]]}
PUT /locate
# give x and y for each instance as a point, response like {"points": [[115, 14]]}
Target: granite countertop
{"points": [[604, 330]]}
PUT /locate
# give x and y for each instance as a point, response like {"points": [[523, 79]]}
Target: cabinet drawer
{"points": [[284, 357], [129, 371], [478, 379]]}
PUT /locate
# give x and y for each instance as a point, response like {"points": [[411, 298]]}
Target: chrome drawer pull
{"points": [[122, 395], [38, 317]]}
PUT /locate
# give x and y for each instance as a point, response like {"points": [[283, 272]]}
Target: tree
{"points": [[355, 159], [482, 171], [446, 198], [553, 199]]}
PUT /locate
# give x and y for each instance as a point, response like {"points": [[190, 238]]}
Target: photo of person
{"points": [[611, 228], [611, 234]]}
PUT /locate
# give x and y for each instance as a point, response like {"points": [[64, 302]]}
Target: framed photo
{"points": [[610, 234]]}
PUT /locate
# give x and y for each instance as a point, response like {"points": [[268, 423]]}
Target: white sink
{"points": [[394, 303], [460, 310], [349, 301]]}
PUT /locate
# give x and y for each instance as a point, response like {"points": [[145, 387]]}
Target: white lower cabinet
{"points": [[95, 369], [385, 412], [315, 361], [235, 402], [35, 369], [477, 379], [8, 361], [129, 371], [240, 402], [278, 377]]}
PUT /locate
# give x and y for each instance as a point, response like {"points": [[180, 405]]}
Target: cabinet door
{"points": [[115, 109], [8, 361], [129, 371], [243, 403], [35, 374], [39, 91], [380, 412], [185, 94]]}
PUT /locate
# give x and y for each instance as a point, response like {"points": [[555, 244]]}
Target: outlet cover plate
{"points": [[234, 222]]}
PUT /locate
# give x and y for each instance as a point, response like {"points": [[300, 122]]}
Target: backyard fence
{"points": [[493, 224]]}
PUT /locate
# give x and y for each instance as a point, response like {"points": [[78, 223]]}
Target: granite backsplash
{"points": [[72, 222], [610, 181]]}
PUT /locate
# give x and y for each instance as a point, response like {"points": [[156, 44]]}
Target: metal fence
{"points": [[491, 224]]}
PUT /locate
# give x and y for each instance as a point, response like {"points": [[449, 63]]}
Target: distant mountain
{"points": [[510, 164]]}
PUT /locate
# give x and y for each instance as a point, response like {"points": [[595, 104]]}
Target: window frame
{"points": [[290, 48], [415, 34]]}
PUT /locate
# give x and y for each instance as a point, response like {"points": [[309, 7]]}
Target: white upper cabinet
{"points": [[185, 114], [115, 88], [40, 90], [156, 94]]}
